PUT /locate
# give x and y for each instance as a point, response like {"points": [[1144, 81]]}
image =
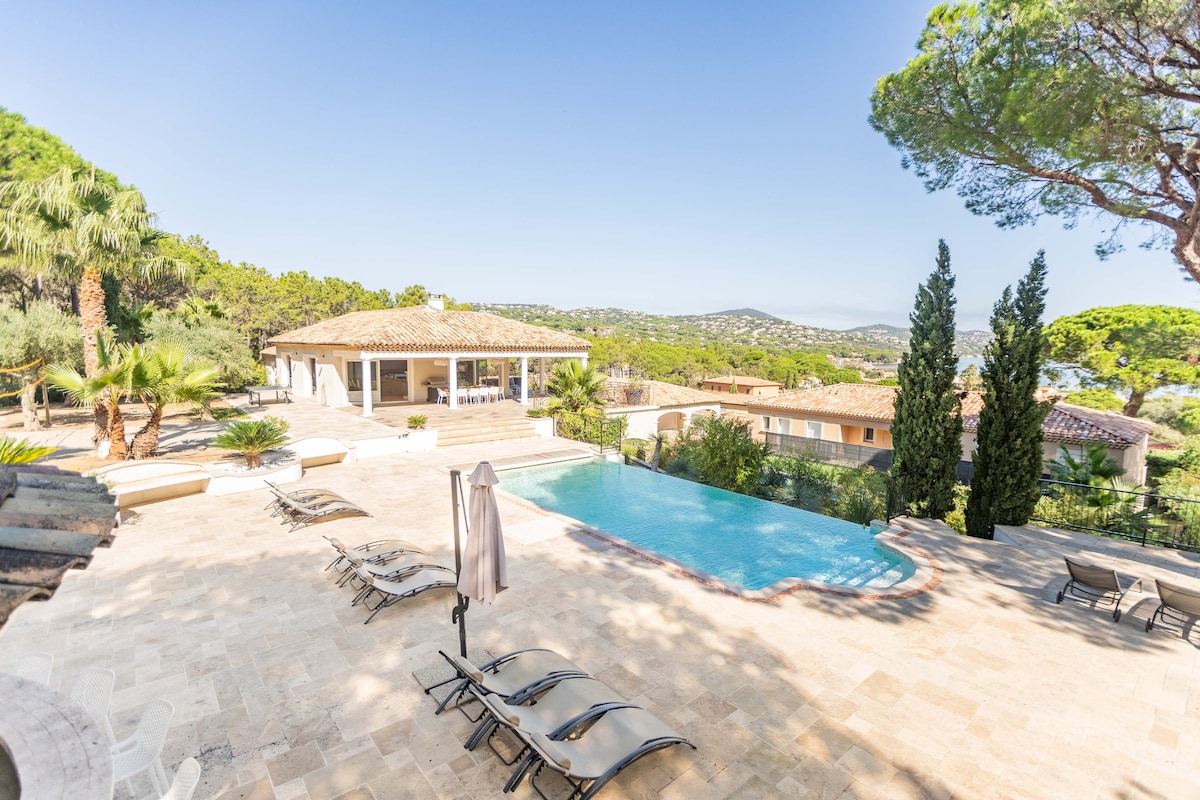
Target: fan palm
{"points": [[160, 374], [21, 451], [252, 438], [574, 388], [83, 228], [1094, 466], [104, 389]]}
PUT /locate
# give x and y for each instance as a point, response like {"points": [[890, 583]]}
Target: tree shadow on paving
{"points": [[258, 649]]}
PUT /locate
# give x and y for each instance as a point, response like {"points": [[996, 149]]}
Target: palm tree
{"points": [[22, 451], [574, 388], [659, 438], [83, 228], [1094, 467], [252, 438], [108, 386], [160, 374]]}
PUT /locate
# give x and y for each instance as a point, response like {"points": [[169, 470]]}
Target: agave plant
{"points": [[253, 438], [22, 451]]}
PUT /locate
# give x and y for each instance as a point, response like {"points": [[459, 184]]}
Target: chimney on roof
{"points": [[437, 302]]}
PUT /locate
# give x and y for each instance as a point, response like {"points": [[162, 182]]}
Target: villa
{"points": [[419, 354], [860, 414], [655, 406]]}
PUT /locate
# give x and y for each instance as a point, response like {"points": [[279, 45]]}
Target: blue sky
{"points": [[667, 157]]}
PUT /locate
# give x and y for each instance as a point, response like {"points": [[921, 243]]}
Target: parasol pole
{"points": [[460, 610]]}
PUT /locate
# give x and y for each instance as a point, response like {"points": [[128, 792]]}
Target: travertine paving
{"points": [[982, 688]]}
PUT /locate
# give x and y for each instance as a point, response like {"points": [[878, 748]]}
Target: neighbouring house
{"points": [[861, 414], [654, 406], [415, 355], [741, 386]]}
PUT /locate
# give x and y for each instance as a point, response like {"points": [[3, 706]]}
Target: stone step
{"points": [[479, 438], [476, 431]]}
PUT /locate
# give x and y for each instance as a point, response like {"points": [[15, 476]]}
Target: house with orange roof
{"points": [[656, 406], [416, 354], [861, 414]]}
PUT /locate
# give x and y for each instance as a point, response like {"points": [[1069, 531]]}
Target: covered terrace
{"points": [[419, 354]]}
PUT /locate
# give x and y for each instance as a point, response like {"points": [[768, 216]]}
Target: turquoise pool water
{"points": [[740, 539]]}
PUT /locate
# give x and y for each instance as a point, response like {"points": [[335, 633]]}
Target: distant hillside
{"points": [[873, 343], [744, 312]]}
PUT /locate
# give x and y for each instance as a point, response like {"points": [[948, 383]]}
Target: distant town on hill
{"points": [[748, 326]]}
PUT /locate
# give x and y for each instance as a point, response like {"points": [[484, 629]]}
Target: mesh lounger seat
{"points": [[608, 745], [301, 514], [1101, 585], [386, 593], [550, 712], [307, 496], [1178, 605], [378, 552], [393, 568], [506, 676]]}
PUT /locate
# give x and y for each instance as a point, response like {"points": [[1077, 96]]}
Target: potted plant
{"points": [[253, 438], [417, 421]]}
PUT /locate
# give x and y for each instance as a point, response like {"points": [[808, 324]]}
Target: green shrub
{"points": [[418, 421]]}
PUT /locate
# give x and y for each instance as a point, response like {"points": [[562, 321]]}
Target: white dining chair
{"points": [[186, 779], [141, 752], [93, 690], [35, 667], [442, 396], [474, 394]]}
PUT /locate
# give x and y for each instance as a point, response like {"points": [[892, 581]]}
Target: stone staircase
{"points": [[474, 431]]}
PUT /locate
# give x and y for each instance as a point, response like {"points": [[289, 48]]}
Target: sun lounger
{"points": [[301, 514], [393, 568], [609, 744], [310, 497], [1100, 585], [386, 593], [507, 676], [371, 552], [1178, 605], [563, 706]]}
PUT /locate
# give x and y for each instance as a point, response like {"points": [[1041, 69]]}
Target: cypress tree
{"points": [[1008, 449], [927, 427]]}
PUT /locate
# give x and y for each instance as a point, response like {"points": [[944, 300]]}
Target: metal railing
{"points": [[604, 432], [1143, 517], [837, 453]]}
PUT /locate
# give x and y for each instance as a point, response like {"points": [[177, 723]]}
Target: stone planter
{"points": [[231, 476]]}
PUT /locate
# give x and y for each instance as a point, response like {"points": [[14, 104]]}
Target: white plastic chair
{"points": [[35, 667], [186, 779], [141, 751], [442, 396], [93, 690]]}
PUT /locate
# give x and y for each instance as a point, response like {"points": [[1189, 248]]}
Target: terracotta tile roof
{"points": [[863, 401], [1066, 423], [421, 329], [621, 392], [1072, 424], [741, 380], [50, 521]]}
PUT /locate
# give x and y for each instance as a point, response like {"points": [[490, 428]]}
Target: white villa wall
{"points": [[643, 422]]}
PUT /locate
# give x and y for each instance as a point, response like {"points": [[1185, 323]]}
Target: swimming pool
{"points": [[746, 541]]}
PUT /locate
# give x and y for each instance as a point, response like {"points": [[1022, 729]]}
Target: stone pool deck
{"points": [[981, 688]]}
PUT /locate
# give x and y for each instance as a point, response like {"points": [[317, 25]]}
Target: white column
{"points": [[583, 362], [453, 378], [366, 387], [524, 380], [542, 374]]}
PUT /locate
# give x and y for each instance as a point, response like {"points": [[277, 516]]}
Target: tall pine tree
{"points": [[927, 427], [1008, 449]]}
